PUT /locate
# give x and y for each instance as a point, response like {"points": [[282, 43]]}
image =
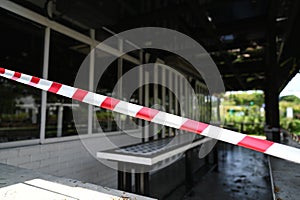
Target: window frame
{"points": [[89, 40]]}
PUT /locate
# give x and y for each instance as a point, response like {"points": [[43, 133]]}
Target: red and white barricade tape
{"points": [[156, 116]]}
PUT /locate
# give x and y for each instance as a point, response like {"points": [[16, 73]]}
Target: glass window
{"points": [[66, 57], [104, 119], [21, 50], [127, 122]]}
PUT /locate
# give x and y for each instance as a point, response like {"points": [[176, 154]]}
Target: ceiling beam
{"points": [[292, 18], [200, 15], [243, 68]]}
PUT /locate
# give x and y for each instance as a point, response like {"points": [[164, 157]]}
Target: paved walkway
{"points": [[243, 175], [286, 176]]}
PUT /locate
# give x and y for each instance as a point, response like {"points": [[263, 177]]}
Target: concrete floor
{"points": [[286, 175], [243, 174]]}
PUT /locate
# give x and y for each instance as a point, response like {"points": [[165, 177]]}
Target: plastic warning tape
{"points": [[156, 116]]}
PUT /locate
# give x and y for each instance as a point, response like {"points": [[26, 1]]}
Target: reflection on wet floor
{"points": [[243, 175]]}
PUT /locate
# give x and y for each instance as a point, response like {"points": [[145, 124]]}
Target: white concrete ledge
{"points": [[19, 184]]}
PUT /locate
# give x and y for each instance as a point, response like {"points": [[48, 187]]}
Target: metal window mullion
{"points": [[187, 99], [177, 95], [120, 81], [146, 129], [163, 92], [45, 76], [182, 100], [35, 17], [155, 97], [141, 86], [170, 98], [91, 83], [199, 101]]}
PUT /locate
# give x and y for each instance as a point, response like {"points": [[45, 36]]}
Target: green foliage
{"points": [[292, 125], [245, 108], [242, 112], [14, 117], [247, 99], [104, 116], [283, 105], [290, 98], [254, 129]]}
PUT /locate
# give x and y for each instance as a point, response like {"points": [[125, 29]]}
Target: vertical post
{"points": [[182, 100], [170, 99], [141, 90], [272, 79], [163, 99], [60, 120], [146, 129], [155, 133], [189, 169], [177, 97], [45, 76], [181, 96], [120, 68], [120, 72], [142, 183], [202, 111], [216, 157], [218, 110], [91, 83], [197, 117], [187, 99], [124, 177], [242, 127]]}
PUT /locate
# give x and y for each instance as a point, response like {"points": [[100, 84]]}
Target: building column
{"points": [[272, 79], [272, 115]]}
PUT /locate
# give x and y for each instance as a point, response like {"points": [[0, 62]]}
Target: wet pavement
{"points": [[243, 174], [286, 176]]}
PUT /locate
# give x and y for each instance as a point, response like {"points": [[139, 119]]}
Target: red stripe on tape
{"points": [[146, 113], [255, 143], [193, 126], [79, 94], [109, 103], [55, 87], [34, 80], [16, 76], [2, 70]]}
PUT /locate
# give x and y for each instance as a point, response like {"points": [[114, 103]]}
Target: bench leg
{"points": [[142, 183], [124, 178]]}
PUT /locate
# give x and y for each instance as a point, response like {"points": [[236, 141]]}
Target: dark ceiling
{"points": [[234, 32]]}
